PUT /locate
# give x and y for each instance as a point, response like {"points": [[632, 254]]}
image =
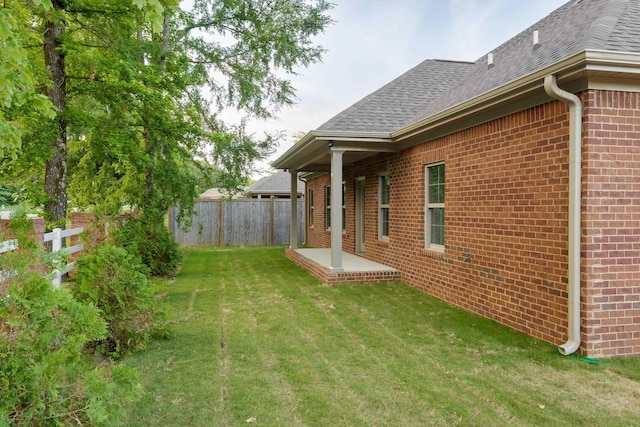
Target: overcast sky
{"points": [[372, 42]]}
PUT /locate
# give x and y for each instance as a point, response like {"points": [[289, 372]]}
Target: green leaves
{"points": [[42, 4], [115, 281], [144, 81], [46, 376], [254, 45], [18, 88], [154, 12]]}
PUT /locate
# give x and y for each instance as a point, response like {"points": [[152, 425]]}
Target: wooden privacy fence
{"points": [[239, 222]]}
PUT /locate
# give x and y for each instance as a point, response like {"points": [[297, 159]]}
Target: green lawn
{"points": [[257, 340]]}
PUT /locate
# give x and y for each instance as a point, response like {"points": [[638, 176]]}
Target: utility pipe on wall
{"points": [[575, 185]]}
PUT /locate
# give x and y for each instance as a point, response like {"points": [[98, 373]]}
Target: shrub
{"points": [[45, 376], [116, 282], [151, 240]]}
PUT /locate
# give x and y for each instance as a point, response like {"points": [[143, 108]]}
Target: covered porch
{"points": [[326, 153], [354, 268]]}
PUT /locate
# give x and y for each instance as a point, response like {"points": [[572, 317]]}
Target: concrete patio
{"points": [[354, 268]]}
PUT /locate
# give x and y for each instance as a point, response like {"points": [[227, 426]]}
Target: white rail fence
{"points": [[56, 237]]}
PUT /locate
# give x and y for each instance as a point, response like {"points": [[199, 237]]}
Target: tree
{"points": [[137, 91], [18, 92], [6, 195]]}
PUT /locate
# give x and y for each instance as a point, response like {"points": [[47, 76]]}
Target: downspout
{"points": [[575, 184]]}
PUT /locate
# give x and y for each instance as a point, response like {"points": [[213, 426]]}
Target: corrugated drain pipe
{"points": [[575, 184]]}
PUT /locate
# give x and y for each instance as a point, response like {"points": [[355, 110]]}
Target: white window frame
{"points": [[327, 207], [428, 207], [382, 206], [310, 220], [344, 206]]}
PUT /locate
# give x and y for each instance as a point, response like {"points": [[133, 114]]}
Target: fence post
{"points": [[57, 278], [56, 243], [272, 221], [221, 226]]}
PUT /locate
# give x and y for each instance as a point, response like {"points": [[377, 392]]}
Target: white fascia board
{"points": [[601, 62], [281, 161], [585, 61], [306, 149]]}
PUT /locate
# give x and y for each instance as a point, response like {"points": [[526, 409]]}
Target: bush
{"points": [[116, 282], [148, 237], [45, 376]]}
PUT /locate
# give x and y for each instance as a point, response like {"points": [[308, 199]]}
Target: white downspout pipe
{"points": [[575, 186]]}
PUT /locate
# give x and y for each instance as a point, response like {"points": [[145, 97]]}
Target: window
{"points": [[311, 209], [434, 207], [327, 207], [344, 206], [383, 207]]}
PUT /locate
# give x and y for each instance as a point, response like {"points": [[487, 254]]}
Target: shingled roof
{"points": [[276, 184], [394, 104], [578, 25], [582, 42], [435, 85]]}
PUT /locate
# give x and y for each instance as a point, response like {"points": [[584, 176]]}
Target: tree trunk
{"points": [[55, 182]]}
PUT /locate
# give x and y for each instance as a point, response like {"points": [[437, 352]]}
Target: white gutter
{"points": [[295, 158], [584, 61], [575, 183]]}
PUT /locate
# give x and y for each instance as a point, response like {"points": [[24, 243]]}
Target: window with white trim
{"points": [[344, 206], [434, 207], [383, 206], [311, 209], [327, 207]]}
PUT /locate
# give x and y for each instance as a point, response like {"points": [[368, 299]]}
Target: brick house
{"points": [[509, 186]]}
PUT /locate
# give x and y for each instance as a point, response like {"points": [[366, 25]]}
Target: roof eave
{"points": [[481, 108], [304, 151], [587, 60]]}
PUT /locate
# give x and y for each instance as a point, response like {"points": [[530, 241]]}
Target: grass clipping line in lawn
{"points": [[257, 340]]}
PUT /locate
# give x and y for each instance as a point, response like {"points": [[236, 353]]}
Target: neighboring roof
{"points": [[212, 193], [216, 193], [278, 183], [391, 106]]}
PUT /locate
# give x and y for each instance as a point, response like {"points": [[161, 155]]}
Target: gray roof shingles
{"points": [[278, 183], [578, 25], [434, 86], [398, 101]]}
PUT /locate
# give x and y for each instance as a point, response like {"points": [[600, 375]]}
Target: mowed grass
{"points": [[257, 340]]}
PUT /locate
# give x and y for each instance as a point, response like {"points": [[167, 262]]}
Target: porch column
{"points": [[293, 230], [336, 209]]}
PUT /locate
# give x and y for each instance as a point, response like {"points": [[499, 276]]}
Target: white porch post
{"points": [[293, 230], [336, 209]]}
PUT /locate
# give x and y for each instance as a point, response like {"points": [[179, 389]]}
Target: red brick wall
{"points": [[96, 230], [611, 223], [317, 235], [506, 220], [38, 230]]}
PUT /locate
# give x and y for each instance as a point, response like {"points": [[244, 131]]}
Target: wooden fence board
{"points": [[239, 222]]}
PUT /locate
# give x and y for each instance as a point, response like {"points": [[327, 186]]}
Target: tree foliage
{"points": [[116, 282], [46, 376], [136, 87], [18, 74]]}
